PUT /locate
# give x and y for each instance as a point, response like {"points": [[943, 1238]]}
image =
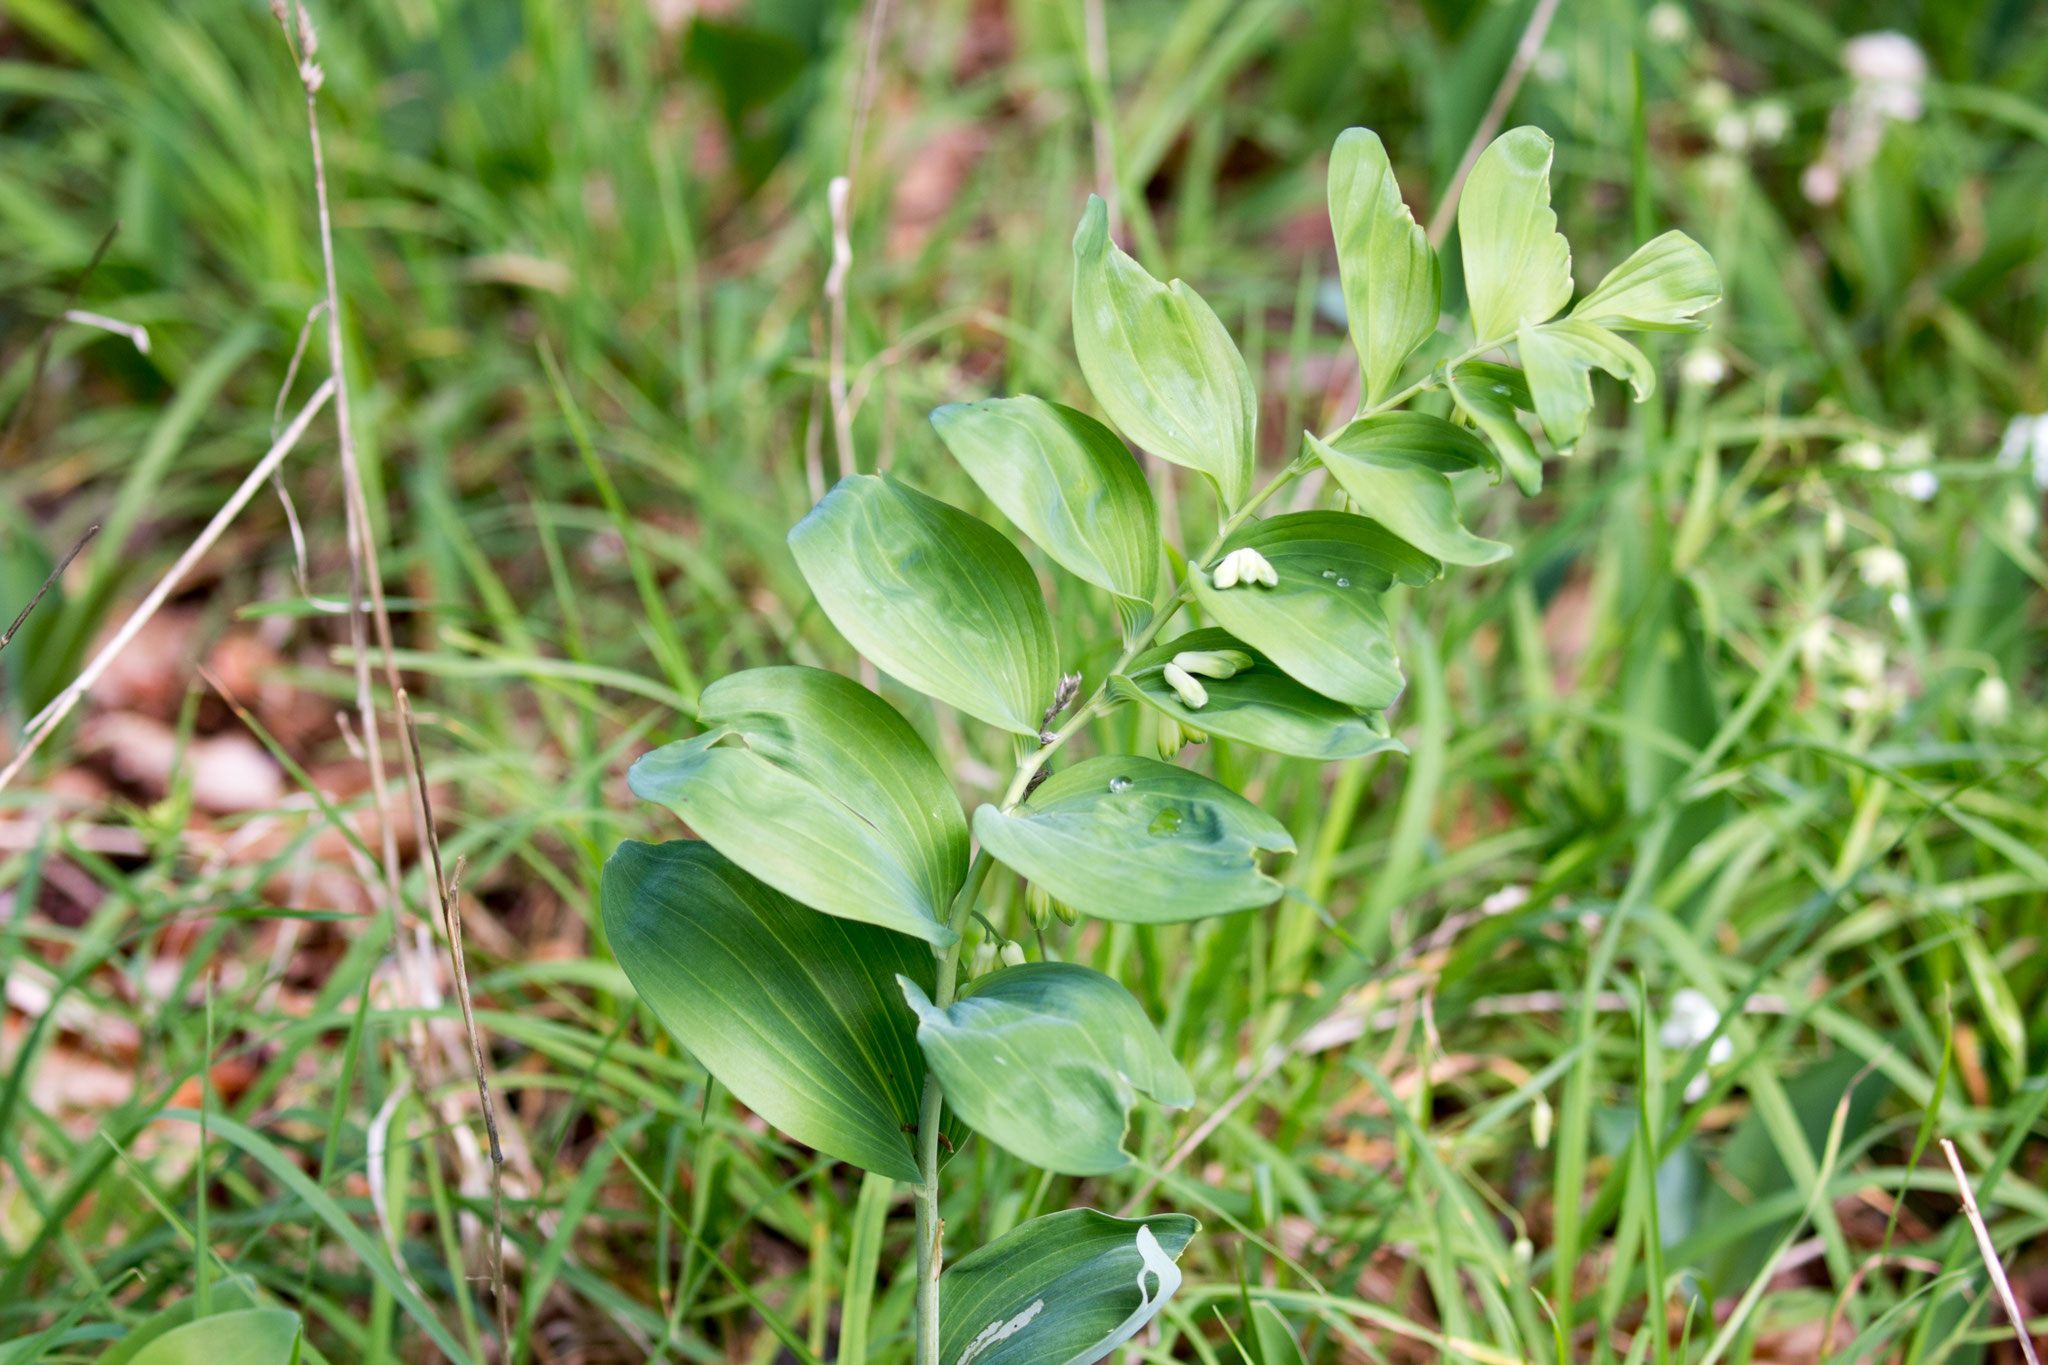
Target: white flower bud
{"points": [[1703, 367], [1037, 904], [1667, 23], [1991, 703], [984, 957], [1769, 121], [1244, 566], [1171, 739], [1213, 663], [1012, 954], [1067, 914], [1192, 694], [1882, 568], [1918, 484]]}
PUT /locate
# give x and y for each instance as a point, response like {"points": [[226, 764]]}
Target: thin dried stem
{"points": [[51, 581], [1989, 1252], [53, 715], [362, 548], [450, 893]]}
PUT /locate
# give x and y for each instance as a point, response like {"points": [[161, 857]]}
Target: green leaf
{"points": [[1260, 706], [1488, 395], [227, 1296], [1323, 624], [938, 598], [252, 1336], [1277, 1345], [1392, 283], [797, 1013], [1397, 469], [1065, 1289], [1657, 289], [1068, 482], [1045, 1060], [1160, 362], [1132, 839], [818, 787], [1518, 267], [1559, 359]]}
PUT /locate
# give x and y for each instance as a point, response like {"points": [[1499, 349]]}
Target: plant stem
{"points": [[931, 1109]]}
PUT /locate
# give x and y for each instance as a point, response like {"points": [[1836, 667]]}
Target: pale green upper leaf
{"points": [[1518, 267], [1132, 839], [1396, 467], [1161, 363], [1660, 288], [230, 1295], [1392, 283], [249, 1336], [1065, 1289], [936, 597], [797, 1013], [1277, 1345], [1559, 358], [1067, 481], [1260, 706], [1489, 395], [1046, 1060], [1323, 624], [818, 787]]}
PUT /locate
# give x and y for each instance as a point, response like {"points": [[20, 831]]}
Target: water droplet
{"points": [[1329, 573], [1500, 388], [1343, 582], [1119, 785], [1167, 822]]}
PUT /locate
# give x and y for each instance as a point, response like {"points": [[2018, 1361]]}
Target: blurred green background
{"points": [[1755, 710]]}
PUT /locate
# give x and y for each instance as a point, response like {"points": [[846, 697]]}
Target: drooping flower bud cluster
{"points": [[1244, 566]]}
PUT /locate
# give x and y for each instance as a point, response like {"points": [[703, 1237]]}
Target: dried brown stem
{"points": [[51, 581]]}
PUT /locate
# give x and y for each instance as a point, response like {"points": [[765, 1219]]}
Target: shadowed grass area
{"points": [[1754, 711]]}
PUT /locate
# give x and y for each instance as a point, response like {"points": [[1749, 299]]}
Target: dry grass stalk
{"points": [[1992, 1265], [450, 893], [53, 715]]}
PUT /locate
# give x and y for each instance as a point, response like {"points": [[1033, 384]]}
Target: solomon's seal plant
{"points": [[806, 947]]}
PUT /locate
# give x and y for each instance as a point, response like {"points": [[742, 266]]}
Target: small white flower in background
{"points": [[1834, 528], [1919, 484], [1991, 703], [1769, 121], [1890, 64], [1550, 66], [1703, 367], [1667, 23], [1862, 455], [1245, 566], [1012, 954], [2026, 442], [2021, 520], [1889, 70], [1731, 131], [1864, 660], [1689, 1020], [1506, 899], [1713, 98], [1882, 567], [1192, 694]]}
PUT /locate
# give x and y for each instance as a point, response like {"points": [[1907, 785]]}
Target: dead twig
{"points": [[50, 582], [53, 715], [450, 893], [1992, 1265], [1489, 123]]}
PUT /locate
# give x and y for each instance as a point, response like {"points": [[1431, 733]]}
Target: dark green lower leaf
{"points": [[796, 1012], [1066, 1289]]}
